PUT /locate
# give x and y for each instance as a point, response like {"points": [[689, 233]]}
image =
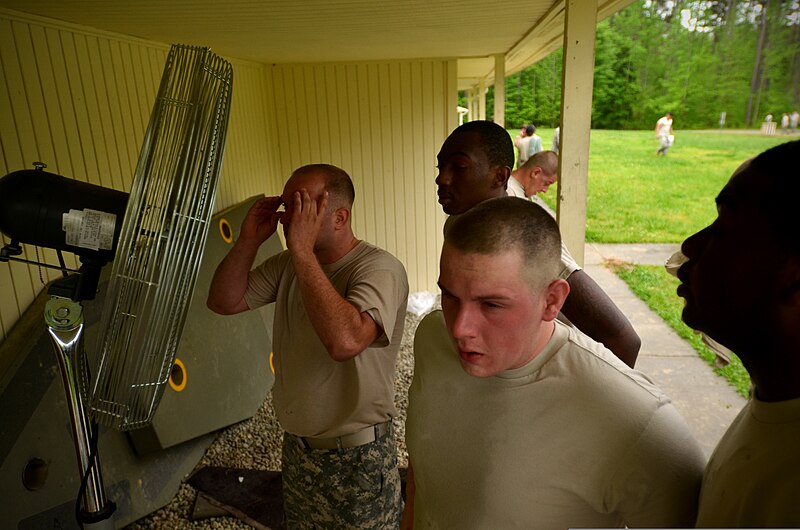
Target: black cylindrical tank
{"points": [[48, 210]]}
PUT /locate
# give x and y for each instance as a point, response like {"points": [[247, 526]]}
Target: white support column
{"points": [[482, 100], [576, 119], [473, 103], [500, 89]]}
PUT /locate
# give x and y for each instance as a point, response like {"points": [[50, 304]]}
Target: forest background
{"points": [[693, 58]]}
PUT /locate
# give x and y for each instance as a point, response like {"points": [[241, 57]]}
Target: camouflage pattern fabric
{"points": [[356, 488]]}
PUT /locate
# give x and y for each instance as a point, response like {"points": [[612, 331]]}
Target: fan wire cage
{"points": [[162, 238]]}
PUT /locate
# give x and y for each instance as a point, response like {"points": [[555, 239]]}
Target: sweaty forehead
{"points": [[483, 274], [314, 183]]}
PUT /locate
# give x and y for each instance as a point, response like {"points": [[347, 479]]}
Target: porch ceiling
{"points": [[282, 31]]}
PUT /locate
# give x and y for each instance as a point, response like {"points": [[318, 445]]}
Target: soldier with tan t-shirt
{"points": [[339, 316], [518, 421]]}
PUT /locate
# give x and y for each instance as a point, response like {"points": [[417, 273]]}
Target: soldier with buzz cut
{"points": [[340, 307], [516, 420]]}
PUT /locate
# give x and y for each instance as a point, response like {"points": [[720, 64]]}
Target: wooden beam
{"points": [[576, 121]]}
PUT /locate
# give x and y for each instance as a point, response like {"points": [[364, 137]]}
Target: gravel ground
{"points": [[256, 444]]}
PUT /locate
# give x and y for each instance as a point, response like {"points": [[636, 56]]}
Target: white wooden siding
{"points": [[247, 159], [383, 123], [80, 100]]}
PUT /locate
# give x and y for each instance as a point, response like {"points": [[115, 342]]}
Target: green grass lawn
{"points": [[636, 197]]}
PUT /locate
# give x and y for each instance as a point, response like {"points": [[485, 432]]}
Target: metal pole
{"points": [[64, 319]]}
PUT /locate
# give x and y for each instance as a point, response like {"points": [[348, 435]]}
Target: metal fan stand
{"points": [[63, 313], [64, 319], [159, 249]]}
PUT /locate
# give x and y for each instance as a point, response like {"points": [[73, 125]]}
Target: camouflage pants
{"points": [[356, 488]]}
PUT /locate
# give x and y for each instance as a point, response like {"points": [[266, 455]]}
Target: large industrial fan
{"points": [[155, 237]]}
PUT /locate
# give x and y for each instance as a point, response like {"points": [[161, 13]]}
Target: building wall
{"points": [[383, 123], [79, 100]]}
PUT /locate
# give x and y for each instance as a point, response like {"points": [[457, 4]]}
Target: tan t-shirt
{"points": [[573, 439], [514, 188], [314, 395], [753, 477]]}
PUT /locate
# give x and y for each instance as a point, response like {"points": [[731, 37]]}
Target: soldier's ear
{"points": [[500, 177], [341, 216], [554, 295]]}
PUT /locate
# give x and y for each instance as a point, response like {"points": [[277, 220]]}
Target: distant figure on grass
{"points": [[794, 117], [528, 143], [742, 287], [665, 134], [522, 142], [785, 123], [556, 139], [535, 144], [516, 420], [474, 165]]}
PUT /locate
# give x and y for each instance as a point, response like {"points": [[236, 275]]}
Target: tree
{"points": [[616, 84], [534, 94], [695, 58], [755, 80]]}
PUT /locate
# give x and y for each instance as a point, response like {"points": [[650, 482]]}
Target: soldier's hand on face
{"points": [[305, 221], [261, 220]]}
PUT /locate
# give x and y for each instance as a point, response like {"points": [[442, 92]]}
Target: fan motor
{"points": [[48, 210]]}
